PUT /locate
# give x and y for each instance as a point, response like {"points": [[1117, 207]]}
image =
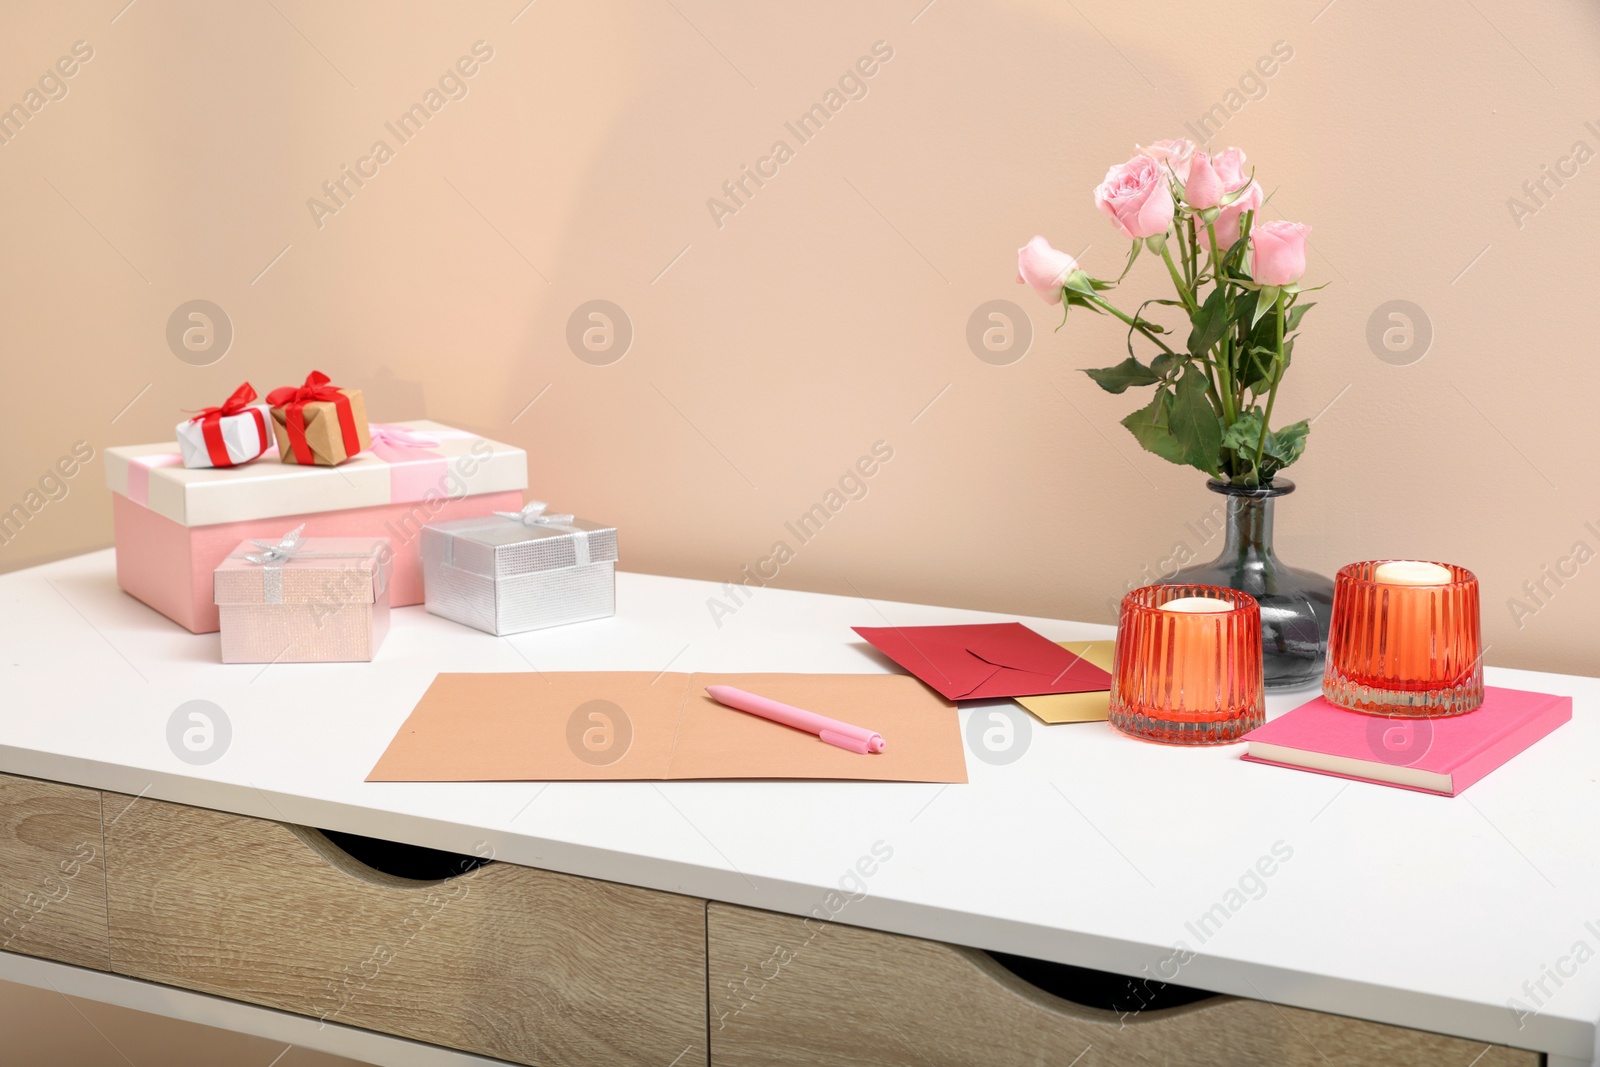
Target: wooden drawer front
{"points": [[52, 882], [506, 961], [788, 991]]}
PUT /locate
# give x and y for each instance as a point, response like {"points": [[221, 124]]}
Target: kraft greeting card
{"points": [[641, 725]]}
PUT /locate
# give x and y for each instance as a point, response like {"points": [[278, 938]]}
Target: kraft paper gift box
{"points": [[174, 525], [522, 570], [303, 599], [237, 431], [318, 423]]}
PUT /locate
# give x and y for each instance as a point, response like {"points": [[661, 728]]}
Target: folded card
{"points": [[644, 725], [986, 661]]}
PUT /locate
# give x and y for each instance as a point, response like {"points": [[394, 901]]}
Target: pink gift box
{"points": [[174, 525], [297, 599]]}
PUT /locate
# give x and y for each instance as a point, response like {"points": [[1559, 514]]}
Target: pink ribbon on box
{"points": [[139, 468], [415, 466]]}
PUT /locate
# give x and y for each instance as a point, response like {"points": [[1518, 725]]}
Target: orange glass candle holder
{"points": [[1402, 649], [1187, 673]]}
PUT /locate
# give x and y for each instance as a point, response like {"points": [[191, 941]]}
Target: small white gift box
{"points": [[515, 571], [226, 436]]}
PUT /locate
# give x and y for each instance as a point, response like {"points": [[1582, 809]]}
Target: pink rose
{"points": [[1176, 154], [1203, 188], [1227, 224], [1229, 165], [1136, 197], [1278, 252], [1044, 268]]}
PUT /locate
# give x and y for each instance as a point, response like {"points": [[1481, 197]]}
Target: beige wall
{"points": [[829, 311]]}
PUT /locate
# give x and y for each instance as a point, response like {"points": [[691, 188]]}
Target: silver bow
{"points": [[282, 552], [272, 557], [532, 514]]}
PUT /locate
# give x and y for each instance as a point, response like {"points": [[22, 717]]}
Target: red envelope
{"points": [[989, 661]]}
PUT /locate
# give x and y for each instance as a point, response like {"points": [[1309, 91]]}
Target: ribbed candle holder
{"points": [[1187, 667], [1405, 650]]}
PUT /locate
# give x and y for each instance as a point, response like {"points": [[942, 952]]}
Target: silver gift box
{"points": [[515, 571]]}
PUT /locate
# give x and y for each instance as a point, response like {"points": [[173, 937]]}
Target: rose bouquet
{"points": [[1236, 278]]}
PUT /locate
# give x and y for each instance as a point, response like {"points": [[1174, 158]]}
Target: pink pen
{"points": [[855, 738]]}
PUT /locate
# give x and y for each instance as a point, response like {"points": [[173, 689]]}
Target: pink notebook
{"points": [[1441, 756]]}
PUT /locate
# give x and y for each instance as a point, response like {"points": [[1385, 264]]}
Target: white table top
{"points": [[1091, 848]]}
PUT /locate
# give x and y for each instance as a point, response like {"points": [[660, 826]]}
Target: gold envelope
{"points": [[1076, 707]]}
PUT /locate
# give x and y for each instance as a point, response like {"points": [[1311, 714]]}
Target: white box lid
{"points": [[423, 460]]}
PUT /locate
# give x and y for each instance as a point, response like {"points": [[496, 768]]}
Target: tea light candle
{"points": [[1195, 629], [1197, 605], [1411, 648], [1410, 572]]}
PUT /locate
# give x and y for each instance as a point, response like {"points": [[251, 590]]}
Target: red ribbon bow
{"points": [[210, 420], [294, 400]]}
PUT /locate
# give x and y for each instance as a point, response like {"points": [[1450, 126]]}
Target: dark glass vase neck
{"points": [[1296, 605], [1248, 531]]}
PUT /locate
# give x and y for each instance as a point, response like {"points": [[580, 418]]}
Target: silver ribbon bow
{"points": [[532, 514], [280, 553], [272, 557]]}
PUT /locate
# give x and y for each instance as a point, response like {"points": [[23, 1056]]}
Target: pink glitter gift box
{"points": [[175, 525], [303, 599]]}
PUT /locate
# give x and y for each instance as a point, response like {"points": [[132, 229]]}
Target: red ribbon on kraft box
{"points": [[293, 399]]}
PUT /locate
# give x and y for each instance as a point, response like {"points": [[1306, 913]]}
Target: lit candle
{"points": [[1197, 605], [1410, 572]]}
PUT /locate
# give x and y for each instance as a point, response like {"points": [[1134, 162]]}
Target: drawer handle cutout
{"points": [[356, 854], [1103, 990]]}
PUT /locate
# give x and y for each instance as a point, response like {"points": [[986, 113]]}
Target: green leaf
{"points": [[1255, 368], [1289, 443], [1210, 323], [1194, 421], [1246, 429], [1133, 254], [1163, 363], [1244, 312], [1278, 451], [1129, 372], [1296, 313], [1149, 427], [1264, 303]]}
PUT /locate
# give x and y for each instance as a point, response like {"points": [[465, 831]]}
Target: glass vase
{"points": [[1296, 605]]}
